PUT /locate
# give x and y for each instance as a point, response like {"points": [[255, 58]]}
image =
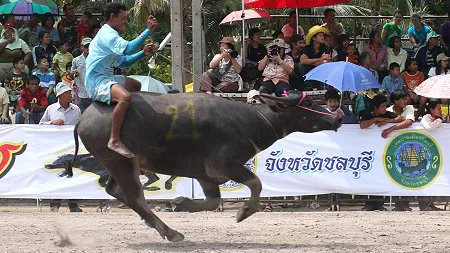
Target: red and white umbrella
{"points": [[435, 87], [291, 3], [235, 17]]}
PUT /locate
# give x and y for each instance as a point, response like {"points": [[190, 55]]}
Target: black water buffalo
{"points": [[198, 136]]}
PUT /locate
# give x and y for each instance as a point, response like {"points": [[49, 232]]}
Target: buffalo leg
{"points": [[249, 179], [125, 178], [168, 183], [211, 202]]}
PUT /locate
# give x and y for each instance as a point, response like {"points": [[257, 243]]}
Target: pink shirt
{"points": [[380, 57], [275, 72]]}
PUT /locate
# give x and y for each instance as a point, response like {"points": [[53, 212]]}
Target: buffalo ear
{"points": [[273, 105], [291, 100]]}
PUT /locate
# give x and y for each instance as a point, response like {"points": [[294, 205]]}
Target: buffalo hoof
{"points": [[168, 185], [66, 173], [182, 202], [244, 213], [174, 236]]}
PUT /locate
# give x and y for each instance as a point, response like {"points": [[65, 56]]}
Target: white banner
{"points": [[351, 161]]}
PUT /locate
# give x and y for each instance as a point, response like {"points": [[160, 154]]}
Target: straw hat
{"points": [[315, 30]]}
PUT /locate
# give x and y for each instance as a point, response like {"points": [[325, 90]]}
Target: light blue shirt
{"points": [[105, 51], [391, 85], [420, 36]]}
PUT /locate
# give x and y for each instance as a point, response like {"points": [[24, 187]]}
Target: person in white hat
{"points": [[63, 112], [442, 66], [79, 68], [427, 54]]}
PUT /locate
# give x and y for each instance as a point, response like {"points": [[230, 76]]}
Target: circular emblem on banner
{"points": [[412, 160], [234, 186]]}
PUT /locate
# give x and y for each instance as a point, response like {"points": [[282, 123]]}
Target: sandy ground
{"points": [[24, 229]]}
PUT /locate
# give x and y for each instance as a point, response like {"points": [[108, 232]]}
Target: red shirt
{"points": [[26, 96], [84, 31]]}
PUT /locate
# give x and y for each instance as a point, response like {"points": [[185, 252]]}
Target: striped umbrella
{"points": [[36, 4]]}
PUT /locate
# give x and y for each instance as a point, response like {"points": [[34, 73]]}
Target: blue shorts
{"points": [[102, 92]]}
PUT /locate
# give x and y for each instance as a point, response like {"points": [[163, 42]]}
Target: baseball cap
{"points": [[62, 87], [8, 25], [441, 57], [86, 41]]}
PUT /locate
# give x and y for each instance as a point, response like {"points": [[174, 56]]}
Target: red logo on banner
{"points": [[8, 152]]}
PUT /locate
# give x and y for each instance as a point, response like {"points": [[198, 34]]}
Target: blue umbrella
{"points": [[344, 76]]}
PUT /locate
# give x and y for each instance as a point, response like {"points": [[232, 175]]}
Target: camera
{"points": [[232, 53], [273, 51]]}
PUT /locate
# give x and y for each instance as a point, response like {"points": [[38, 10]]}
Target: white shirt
{"points": [[79, 65], [408, 112], [429, 123], [55, 111], [4, 99], [400, 58]]}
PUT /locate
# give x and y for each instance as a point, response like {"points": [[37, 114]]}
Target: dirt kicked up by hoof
{"points": [[63, 240]]}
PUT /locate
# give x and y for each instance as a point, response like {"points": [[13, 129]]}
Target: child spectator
{"points": [[47, 79], [412, 77], [441, 67], [33, 102], [344, 41], [332, 99], [399, 101], [396, 54], [393, 81], [84, 27], [61, 58], [433, 119], [378, 114], [352, 54], [16, 81]]}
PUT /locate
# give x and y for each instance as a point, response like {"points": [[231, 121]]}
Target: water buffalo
{"points": [[198, 136]]}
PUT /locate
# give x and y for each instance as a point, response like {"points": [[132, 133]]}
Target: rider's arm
{"points": [[129, 60], [137, 43]]}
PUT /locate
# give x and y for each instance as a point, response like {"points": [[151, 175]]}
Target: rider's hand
{"points": [[152, 23], [150, 49]]}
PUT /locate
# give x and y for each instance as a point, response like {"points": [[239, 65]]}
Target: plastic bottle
{"points": [[27, 117]]}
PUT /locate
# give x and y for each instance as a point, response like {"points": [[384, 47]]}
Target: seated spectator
{"points": [[316, 52], [379, 54], [426, 55], [418, 32], [391, 29], [83, 29], [412, 77], [276, 67], [296, 78], [433, 119], [400, 107], [255, 50], [33, 102], [47, 79], [332, 98], [328, 42], [4, 107], [365, 60], [16, 81], [393, 82], [44, 49], [47, 26], [29, 31], [11, 47], [395, 53], [61, 58], [343, 42], [441, 66], [352, 54], [278, 34], [378, 114], [225, 67], [445, 35], [336, 29], [362, 101], [290, 29]]}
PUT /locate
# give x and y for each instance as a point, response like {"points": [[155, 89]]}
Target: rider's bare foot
{"points": [[119, 147]]}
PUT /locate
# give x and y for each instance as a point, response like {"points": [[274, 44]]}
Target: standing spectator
{"points": [[336, 29], [441, 66], [378, 52], [61, 58], [290, 29], [343, 42], [79, 68], [255, 50], [224, 69], [11, 47], [399, 101], [393, 81], [29, 32], [84, 27], [316, 52], [426, 55], [412, 77], [392, 29], [4, 107], [47, 26], [33, 101], [277, 66], [445, 35], [44, 49], [47, 79], [418, 31], [62, 113], [68, 25], [332, 98], [396, 53]]}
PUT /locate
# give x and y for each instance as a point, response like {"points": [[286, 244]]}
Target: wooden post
{"points": [[197, 43], [176, 22]]}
